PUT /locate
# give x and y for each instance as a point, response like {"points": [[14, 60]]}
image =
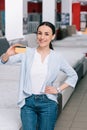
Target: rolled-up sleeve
{"points": [[13, 59]]}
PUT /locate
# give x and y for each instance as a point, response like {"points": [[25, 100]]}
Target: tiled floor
{"points": [[74, 115]]}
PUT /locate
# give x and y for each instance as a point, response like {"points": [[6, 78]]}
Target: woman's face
{"points": [[44, 36]]}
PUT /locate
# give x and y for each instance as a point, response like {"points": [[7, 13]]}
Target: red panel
{"points": [[34, 7], [76, 15], [84, 8], [2, 5], [59, 7]]}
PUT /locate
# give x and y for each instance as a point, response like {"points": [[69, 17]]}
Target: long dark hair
{"points": [[52, 28]]}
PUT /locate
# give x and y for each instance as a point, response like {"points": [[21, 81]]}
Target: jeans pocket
{"points": [[29, 100], [45, 99], [50, 100]]}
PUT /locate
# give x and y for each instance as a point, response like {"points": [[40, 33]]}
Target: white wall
{"points": [[49, 10], [13, 19]]}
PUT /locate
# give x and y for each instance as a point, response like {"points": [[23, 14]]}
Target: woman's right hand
{"points": [[11, 49], [9, 52]]}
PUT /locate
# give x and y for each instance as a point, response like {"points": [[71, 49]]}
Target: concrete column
{"points": [[13, 19], [67, 8], [25, 8], [49, 10]]}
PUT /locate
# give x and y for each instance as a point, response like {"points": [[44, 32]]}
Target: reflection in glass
{"points": [[33, 17]]}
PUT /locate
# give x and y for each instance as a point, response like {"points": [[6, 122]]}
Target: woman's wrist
{"points": [[59, 90], [4, 58]]}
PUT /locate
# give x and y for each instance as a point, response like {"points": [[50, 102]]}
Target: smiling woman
{"points": [[40, 67], [47, 35]]}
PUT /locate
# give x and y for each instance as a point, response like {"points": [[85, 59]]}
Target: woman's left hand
{"points": [[51, 90]]}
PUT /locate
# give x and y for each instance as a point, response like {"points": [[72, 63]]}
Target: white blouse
{"points": [[38, 73]]}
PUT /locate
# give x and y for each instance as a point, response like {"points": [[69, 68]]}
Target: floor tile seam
{"points": [[76, 112]]}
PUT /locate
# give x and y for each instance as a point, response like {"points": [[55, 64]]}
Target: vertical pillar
{"points": [[13, 19], [25, 13], [49, 10], [76, 15], [67, 8]]}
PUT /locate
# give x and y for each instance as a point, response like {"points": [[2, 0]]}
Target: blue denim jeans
{"points": [[39, 113]]}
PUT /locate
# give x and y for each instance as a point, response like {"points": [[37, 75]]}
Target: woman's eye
{"points": [[46, 34], [39, 33]]}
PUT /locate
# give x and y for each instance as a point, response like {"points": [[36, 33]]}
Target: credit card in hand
{"points": [[20, 49]]}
